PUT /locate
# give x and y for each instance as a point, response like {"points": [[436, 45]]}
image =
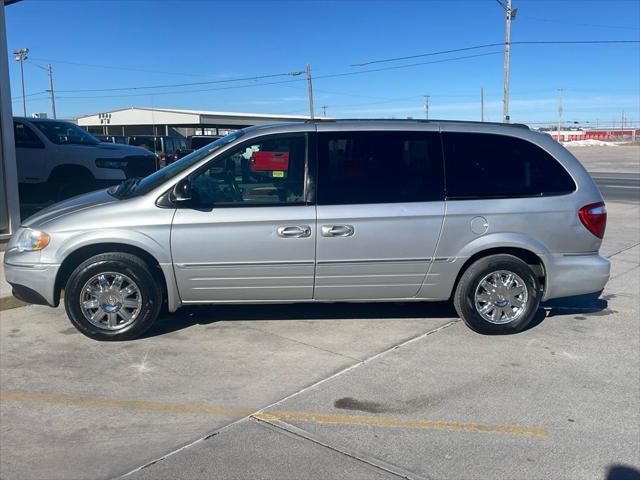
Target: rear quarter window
{"points": [[497, 166]]}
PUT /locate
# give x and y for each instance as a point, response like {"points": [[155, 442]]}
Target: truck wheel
{"points": [[112, 296], [66, 183], [498, 294]]}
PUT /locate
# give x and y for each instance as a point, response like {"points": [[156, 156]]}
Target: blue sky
{"points": [[173, 42]]}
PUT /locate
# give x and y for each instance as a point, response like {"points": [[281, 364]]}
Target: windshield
{"points": [[63, 133], [139, 187]]}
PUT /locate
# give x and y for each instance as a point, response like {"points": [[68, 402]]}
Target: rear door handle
{"points": [[337, 230], [294, 231]]}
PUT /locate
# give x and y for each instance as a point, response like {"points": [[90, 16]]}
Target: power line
{"points": [[441, 52], [185, 91], [29, 95], [113, 67], [381, 69], [333, 75], [174, 85], [499, 44]]}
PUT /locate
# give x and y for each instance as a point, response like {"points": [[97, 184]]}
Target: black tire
{"points": [[464, 296], [122, 263]]}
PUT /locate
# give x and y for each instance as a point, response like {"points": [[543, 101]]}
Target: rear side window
{"points": [[25, 137], [497, 166], [379, 167]]}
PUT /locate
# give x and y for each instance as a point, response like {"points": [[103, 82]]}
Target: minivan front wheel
{"points": [[498, 294], [112, 296]]}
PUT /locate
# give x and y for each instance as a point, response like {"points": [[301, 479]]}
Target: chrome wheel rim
{"points": [[110, 301], [501, 297]]}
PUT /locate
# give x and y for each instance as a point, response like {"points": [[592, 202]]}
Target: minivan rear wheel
{"points": [[498, 294], [112, 296]]}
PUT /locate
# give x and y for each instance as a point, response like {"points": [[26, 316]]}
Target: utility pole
{"points": [[560, 92], [481, 104], [310, 88], [622, 122], [426, 106], [511, 15], [21, 56], [324, 110], [53, 98]]}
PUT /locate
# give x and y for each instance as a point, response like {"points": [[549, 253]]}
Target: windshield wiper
{"points": [[122, 189]]}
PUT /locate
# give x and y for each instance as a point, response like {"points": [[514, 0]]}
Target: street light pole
{"points": [[21, 56], [426, 106], [482, 104]]}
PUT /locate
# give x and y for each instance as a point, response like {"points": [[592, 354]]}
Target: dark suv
{"points": [[164, 147]]}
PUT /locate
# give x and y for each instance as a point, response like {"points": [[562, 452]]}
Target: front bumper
{"points": [[33, 283], [575, 274]]}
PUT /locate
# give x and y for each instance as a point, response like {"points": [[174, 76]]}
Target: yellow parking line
{"points": [[7, 303], [310, 417], [125, 404], [390, 422]]}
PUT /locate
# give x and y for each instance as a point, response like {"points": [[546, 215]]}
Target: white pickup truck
{"points": [[67, 160]]}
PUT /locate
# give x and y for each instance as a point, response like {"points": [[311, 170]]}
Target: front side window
{"points": [[268, 171], [379, 167], [25, 137], [497, 166]]}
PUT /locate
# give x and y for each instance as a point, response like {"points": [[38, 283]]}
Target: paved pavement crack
{"points": [[624, 273], [623, 250], [301, 343], [302, 390], [358, 456]]}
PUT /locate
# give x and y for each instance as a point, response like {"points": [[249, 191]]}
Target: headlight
{"points": [[31, 240], [108, 163]]}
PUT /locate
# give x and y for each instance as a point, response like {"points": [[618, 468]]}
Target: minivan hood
{"points": [[69, 206]]}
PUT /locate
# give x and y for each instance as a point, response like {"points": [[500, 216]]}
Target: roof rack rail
{"points": [[417, 120]]}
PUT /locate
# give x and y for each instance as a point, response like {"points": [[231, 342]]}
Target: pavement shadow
{"points": [[591, 304], [189, 316], [622, 472]]}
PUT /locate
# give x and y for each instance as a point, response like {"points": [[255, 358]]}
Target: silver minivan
{"points": [[496, 218]]}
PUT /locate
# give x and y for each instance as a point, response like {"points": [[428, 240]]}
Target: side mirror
{"points": [[182, 191]]}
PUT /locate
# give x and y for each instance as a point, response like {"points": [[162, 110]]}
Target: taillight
{"points": [[594, 217]]}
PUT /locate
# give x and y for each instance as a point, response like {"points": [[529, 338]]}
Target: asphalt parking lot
{"points": [[333, 391]]}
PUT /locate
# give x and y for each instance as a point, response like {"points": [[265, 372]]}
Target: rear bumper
{"points": [[33, 283], [575, 274]]}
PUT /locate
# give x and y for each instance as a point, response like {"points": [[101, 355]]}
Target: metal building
{"points": [[168, 121]]}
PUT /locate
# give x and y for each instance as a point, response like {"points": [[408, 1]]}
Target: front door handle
{"points": [[337, 230], [294, 231]]}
